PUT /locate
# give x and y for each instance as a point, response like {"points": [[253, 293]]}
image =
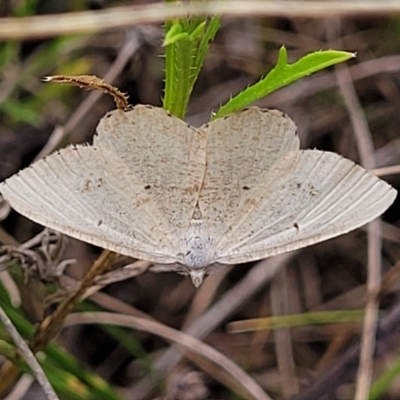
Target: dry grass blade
{"points": [[87, 21], [345, 365], [21, 388], [282, 338], [384, 171], [249, 388], [367, 155], [28, 356], [230, 302]]}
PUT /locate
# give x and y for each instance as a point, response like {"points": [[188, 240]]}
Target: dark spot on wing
{"points": [[250, 202], [195, 188]]}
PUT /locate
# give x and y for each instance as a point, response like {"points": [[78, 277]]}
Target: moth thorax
{"points": [[196, 252]]}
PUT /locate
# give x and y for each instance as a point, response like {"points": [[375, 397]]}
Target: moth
{"points": [[235, 190]]}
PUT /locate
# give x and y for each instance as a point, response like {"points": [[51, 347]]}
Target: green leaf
{"points": [[174, 34], [282, 75], [25, 8], [19, 112], [176, 38], [204, 45], [186, 45], [197, 33], [292, 320], [385, 381]]}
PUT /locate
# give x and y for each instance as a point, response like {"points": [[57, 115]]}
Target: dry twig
{"points": [[119, 17], [28, 356], [187, 342]]}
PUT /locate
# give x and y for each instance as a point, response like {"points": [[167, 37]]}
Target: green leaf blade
{"points": [[186, 45], [282, 75]]}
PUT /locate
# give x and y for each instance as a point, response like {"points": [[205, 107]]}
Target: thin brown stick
{"points": [[94, 21], [6, 238], [361, 130], [282, 338], [204, 297], [366, 150], [91, 82], [49, 328], [384, 171], [28, 356], [133, 42]]}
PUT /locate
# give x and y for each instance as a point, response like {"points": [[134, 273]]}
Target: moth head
{"points": [[197, 275]]}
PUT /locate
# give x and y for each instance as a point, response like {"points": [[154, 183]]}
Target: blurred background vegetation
{"points": [[313, 357]]}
